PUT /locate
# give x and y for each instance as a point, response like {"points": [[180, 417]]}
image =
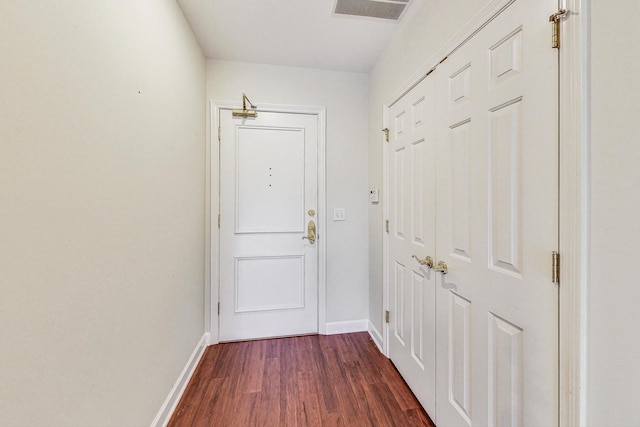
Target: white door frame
{"points": [[574, 171], [574, 242], [213, 237]]}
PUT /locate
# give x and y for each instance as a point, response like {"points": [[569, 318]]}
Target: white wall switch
{"points": [[339, 214], [374, 195]]}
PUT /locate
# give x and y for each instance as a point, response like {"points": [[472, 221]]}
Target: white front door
{"points": [[268, 197], [412, 295], [497, 213]]}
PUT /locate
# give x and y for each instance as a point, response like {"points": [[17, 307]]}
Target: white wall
{"points": [[102, 128], [345, 97], [428, 26], [613, 359]]}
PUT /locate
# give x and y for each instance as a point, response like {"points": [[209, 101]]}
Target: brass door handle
{"points": [[441, 267], [311, 232], [428, 261]]}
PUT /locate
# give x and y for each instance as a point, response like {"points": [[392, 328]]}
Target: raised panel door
{"points": [[497, 204], [268, 185], [412, 219]]}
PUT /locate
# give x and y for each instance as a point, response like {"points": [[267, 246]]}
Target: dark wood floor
{"points": [[336, 380]]}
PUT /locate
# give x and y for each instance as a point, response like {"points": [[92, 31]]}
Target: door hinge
{"points": [[387, 316], [386, 134], [219, 132], [555, 267], [218, 220], [555, 27], [387, 225], [218, 309]]}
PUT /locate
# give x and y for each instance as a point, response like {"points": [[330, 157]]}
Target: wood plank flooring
{"points": [[317, 380]]}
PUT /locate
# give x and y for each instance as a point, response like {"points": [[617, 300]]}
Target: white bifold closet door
{"points": [[412, 233], [494, 149]]}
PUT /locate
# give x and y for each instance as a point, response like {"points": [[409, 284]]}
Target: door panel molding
{"points": [[212, 210], [249, 298], [478, 22]]}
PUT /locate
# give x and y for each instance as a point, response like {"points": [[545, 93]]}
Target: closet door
{"points": [[412, 239], [497, 209]]}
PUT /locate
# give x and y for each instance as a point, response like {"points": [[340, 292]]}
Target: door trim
{"points": [[574, 240], [212, 208], [574, 172]]}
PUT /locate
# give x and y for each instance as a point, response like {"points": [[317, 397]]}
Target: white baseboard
{"points": [[347, 326], [171, 402], [376, 336]]}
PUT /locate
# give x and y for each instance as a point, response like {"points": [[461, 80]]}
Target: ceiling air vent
{"points": [[387, 9]]}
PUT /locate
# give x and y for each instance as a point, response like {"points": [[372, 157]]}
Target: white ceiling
{"points": [[299, 33]]}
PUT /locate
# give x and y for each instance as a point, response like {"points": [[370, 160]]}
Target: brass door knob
{"points": [[441, 267], [428, 261], [311, 232]]}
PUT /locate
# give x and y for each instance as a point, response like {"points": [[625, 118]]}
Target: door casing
{"points": [[574, 175], [212, 254]]}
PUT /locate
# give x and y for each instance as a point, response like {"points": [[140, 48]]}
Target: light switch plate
{"points": [[339, 214]]}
